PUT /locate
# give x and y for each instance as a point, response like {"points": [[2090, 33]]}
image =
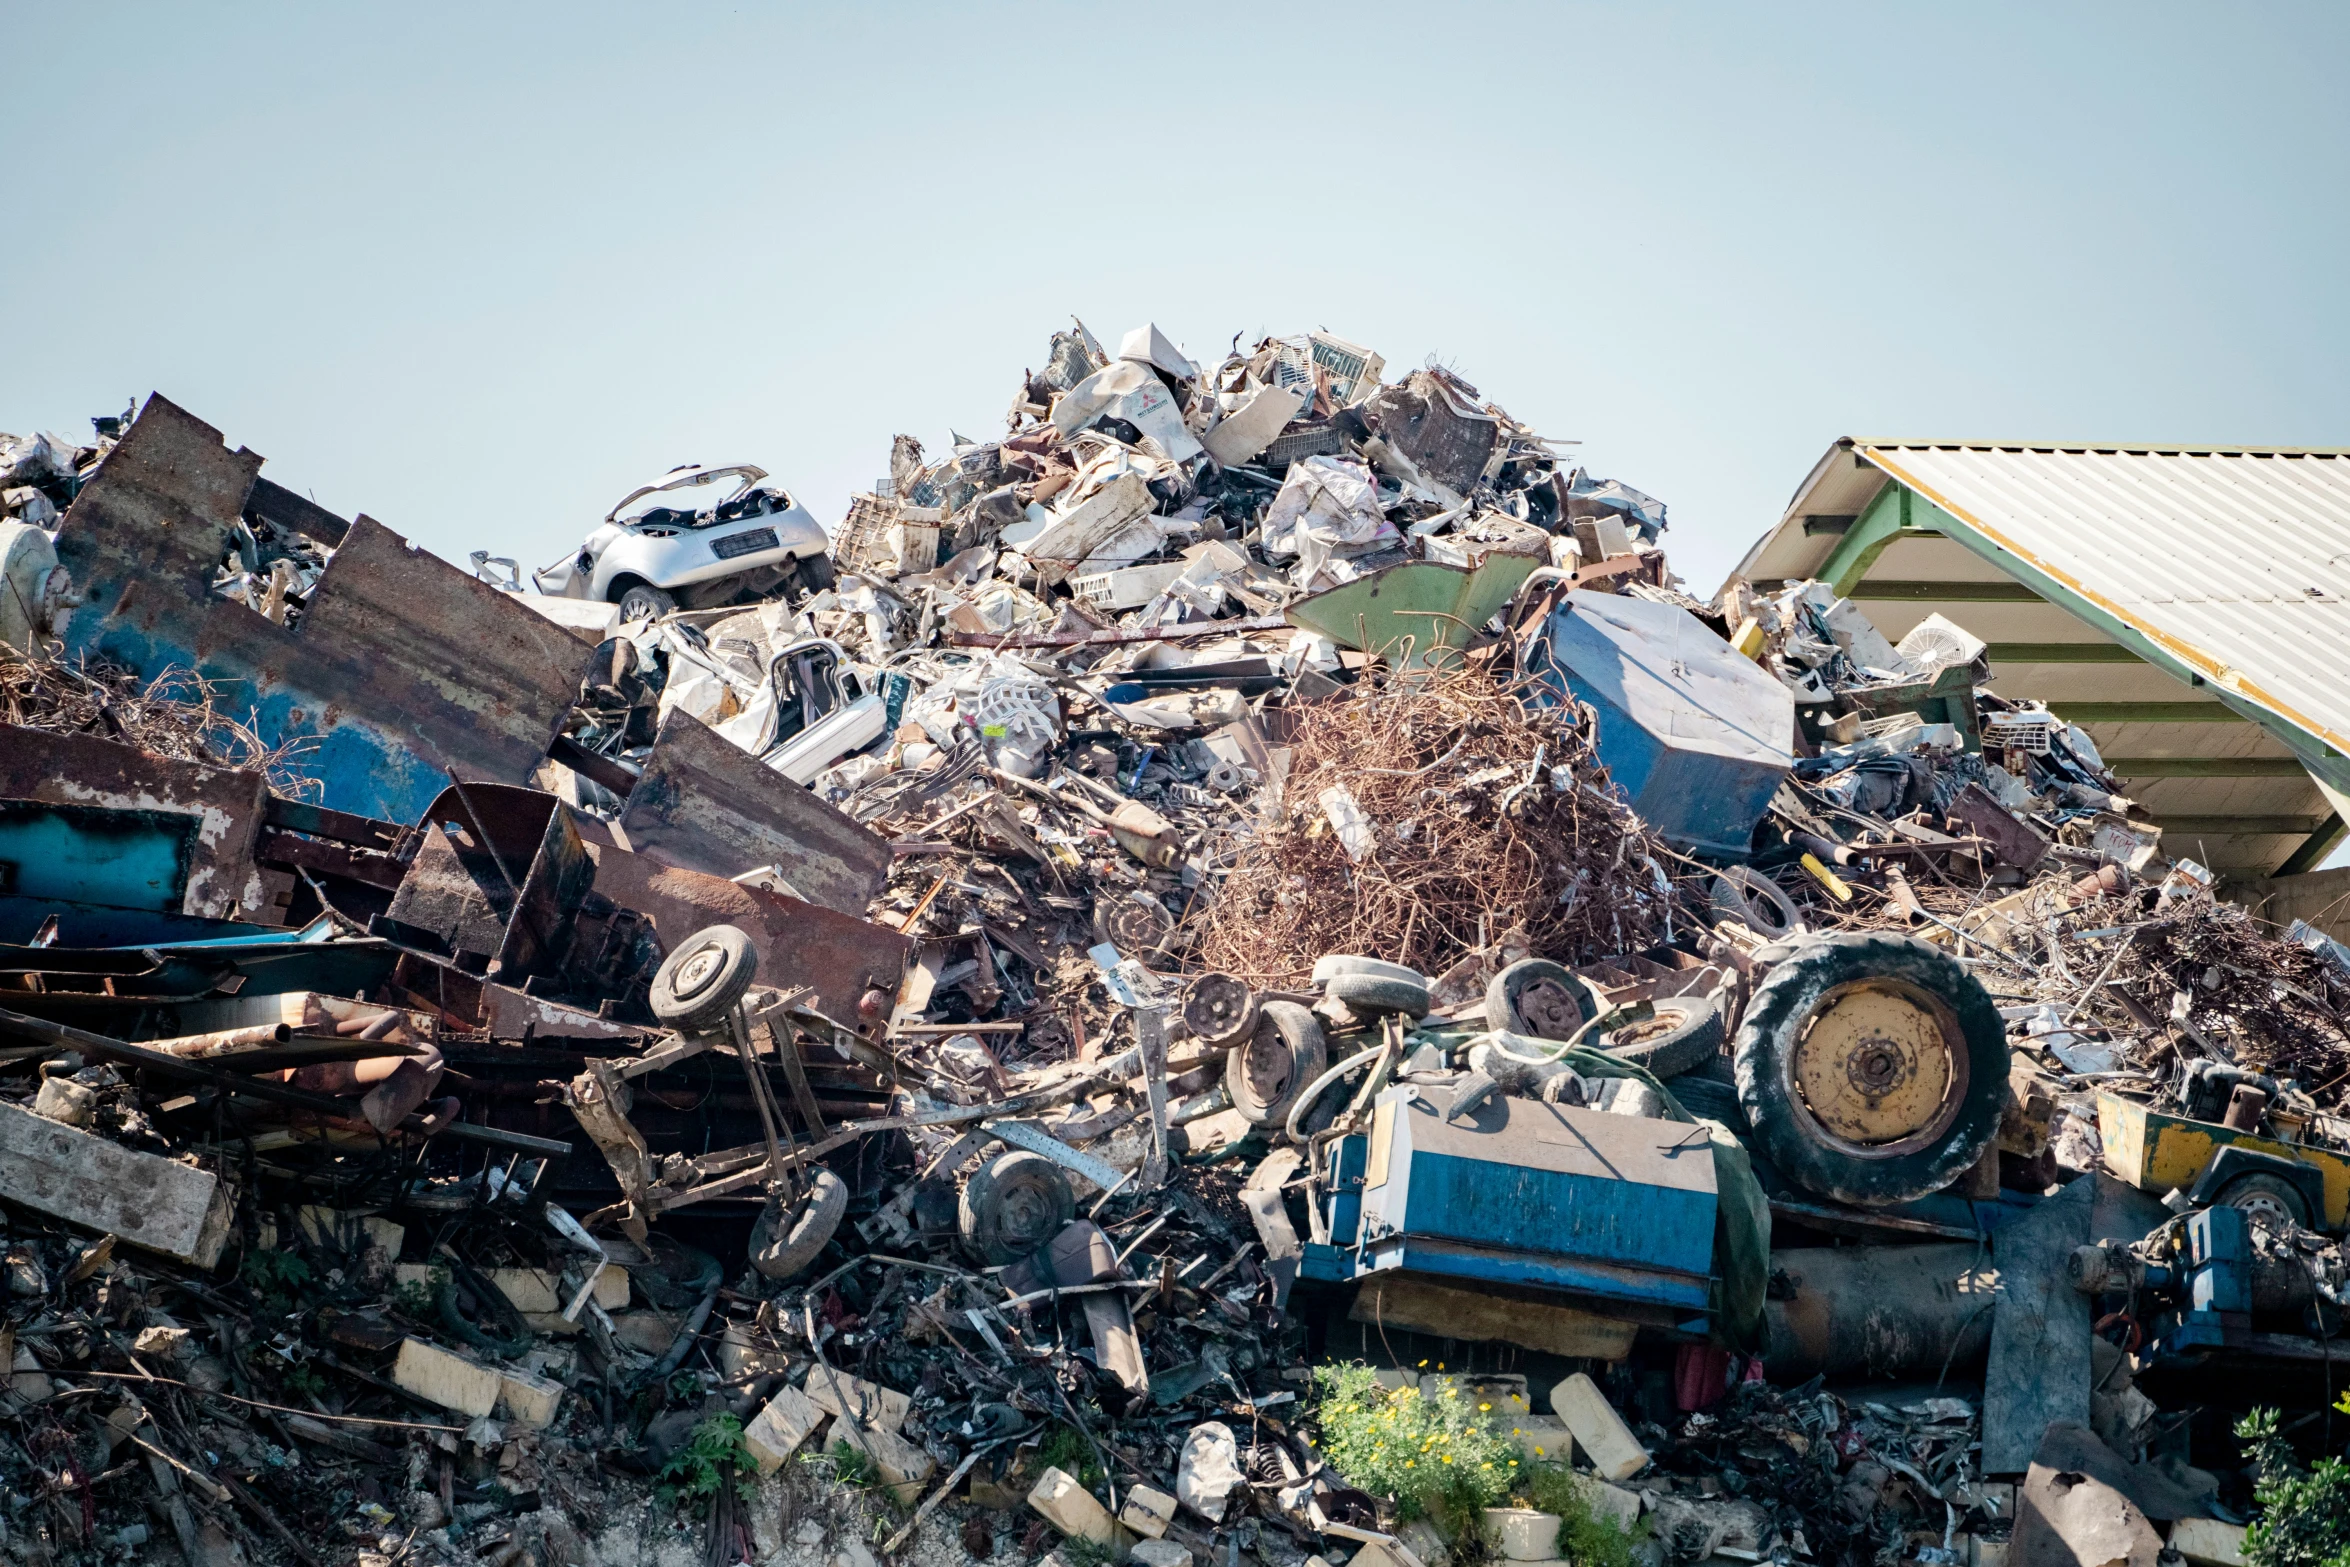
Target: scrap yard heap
{"points": [[1237, 974]]}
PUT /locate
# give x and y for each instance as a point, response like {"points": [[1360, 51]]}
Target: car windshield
{"points": [[696, 493]]}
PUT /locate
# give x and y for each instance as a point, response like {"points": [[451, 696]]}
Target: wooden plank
{"points": [[1945, 592]]}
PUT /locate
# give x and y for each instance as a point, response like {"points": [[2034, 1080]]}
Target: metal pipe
{"points": [[1879, 1312]]}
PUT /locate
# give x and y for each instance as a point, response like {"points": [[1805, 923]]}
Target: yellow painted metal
{"points": [[2159, 1153], [1874, 1066]]}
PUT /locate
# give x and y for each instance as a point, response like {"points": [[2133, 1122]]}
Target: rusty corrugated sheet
{"points": [[403, 668], [705, 804], [223, 882]]}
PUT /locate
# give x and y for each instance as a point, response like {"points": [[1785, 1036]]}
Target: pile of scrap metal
{"points": [[1260, 864]]}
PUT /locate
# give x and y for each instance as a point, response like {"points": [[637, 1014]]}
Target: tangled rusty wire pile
{"points": [[175, 715], [1479, 813]]}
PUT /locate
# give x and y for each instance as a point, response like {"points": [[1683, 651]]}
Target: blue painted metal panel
{"points": [[1697, 736], [1482, 1202], [401, 670], [1569, 1274], [1346, 1190], [1519, 1192], [115, 859]]}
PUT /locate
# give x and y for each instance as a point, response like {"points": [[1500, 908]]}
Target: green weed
{"points": [[712, 1455], [2304, 1514]]}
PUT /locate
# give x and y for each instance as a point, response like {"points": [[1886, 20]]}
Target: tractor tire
{"points": [[1285, 1052], [1014, 1204], [1685, 1034], [703, 980], [1872, 1067], [1539, 999], [781, 1250]]}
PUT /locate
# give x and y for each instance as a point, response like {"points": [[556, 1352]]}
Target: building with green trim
{"points": [[2188, 606]]}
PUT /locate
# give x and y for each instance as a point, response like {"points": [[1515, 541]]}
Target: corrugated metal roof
{"points": [[2236, 561]]}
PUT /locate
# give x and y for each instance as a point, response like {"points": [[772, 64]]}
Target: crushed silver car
{"points": [[671, 545]]}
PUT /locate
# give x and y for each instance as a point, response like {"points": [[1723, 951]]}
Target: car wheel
{"points": [[1537, 998], [780, 1250], [643, 601], [816, 573], [699, 984], [1375, 995], [2268, 1201], [1873, 1068], [1284, 1053], [1013, 1204], [1685, 1033]]}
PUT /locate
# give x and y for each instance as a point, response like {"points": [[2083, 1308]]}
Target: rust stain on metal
{"points": [[705, 804], [223, 881], [402, 669], [837, 955]]}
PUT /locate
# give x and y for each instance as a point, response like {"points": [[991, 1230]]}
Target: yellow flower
{"points": [[1484, 1409], [1448, 1458], [1424, 1366], [1538, 1452], [1407, 1463], [1513, 1463]]}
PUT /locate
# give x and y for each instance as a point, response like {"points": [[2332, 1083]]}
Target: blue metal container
{"points": [[1616, 1210], [1696, 735]]}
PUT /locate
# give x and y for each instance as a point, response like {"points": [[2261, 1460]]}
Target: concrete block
{"points": [[144, 1198], [905, 1467], [528, 1401], [1614, 1451], [1610, 1503], [1148, 1511], [1521, 1534], [776, 1432], [1985, 1553], [742, 1356], [869, 1404], [443, 1377], [1070, 1507], [1159, 1553], [1543, 1438], [63, 1100], [2208, 1543], [647, 1332]]}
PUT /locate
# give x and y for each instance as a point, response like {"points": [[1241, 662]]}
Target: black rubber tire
{"points": [[1013, 1204], [1287, 1051], [1685, 1033], [501, 1330], [782, 1251], [1741, 893], [1332, 964], [1803, 1150], [2261, 1195], [816, 574], [643, 601], [1530, 998], [1373, 995], [702, 981], [676, 1276]]}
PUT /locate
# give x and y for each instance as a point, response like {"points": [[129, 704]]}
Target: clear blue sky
{"points": [[477, 270]]}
